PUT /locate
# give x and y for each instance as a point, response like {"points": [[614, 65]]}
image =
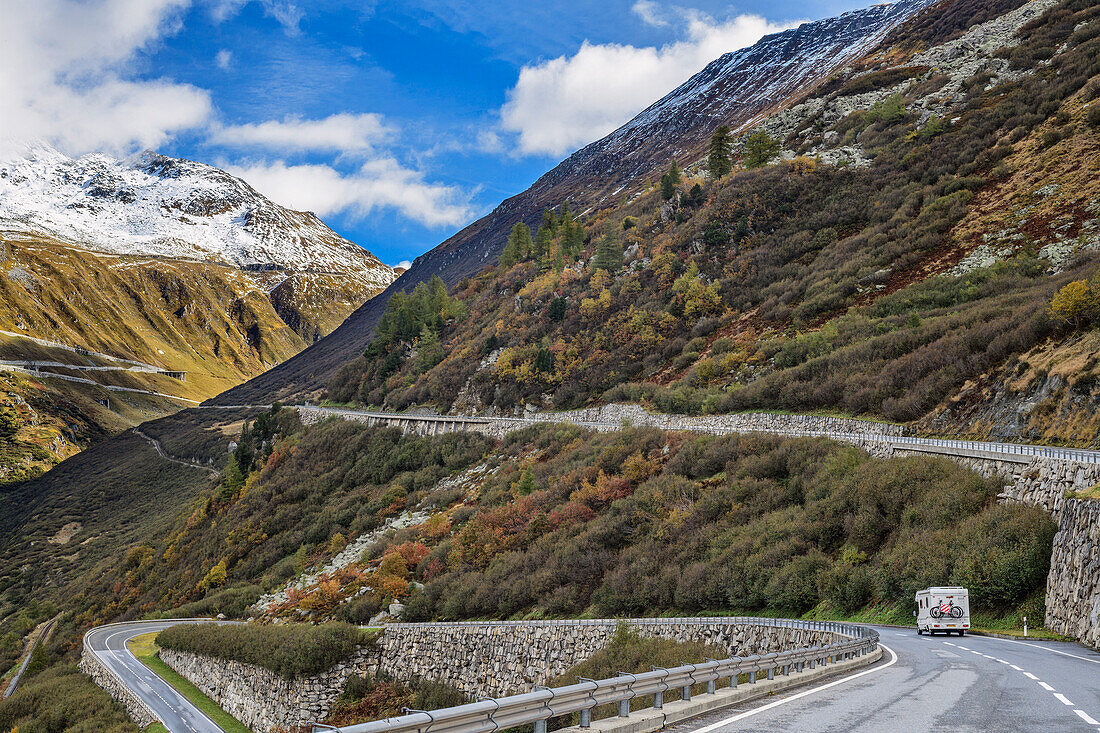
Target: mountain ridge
{"points": [[478, 244]]}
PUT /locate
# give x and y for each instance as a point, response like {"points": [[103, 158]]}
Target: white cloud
{"points": [[403, 264], [344, 133], [63, 75], [380, 183], [649, 12], [224, 59], [563, 103], [286, 13]]}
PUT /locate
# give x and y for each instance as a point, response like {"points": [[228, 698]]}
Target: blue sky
{"points": [[397, 122]]}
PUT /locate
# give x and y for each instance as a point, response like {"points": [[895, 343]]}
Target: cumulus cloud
{"points": [[63, 75], [565, 102], [224, 59], [379, 183], [403, 264], [344, 133]]}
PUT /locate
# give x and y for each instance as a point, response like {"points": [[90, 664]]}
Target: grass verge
{"points": [[144, 647]]}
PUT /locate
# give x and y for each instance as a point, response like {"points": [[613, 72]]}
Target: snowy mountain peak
{"points": [[156, 205]]}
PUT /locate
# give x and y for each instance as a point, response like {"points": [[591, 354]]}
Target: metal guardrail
{"points": [[542, 704], [1012, 449]]}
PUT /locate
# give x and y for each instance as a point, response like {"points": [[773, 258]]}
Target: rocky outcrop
{"points": [[1073, 586], [138, 711]]}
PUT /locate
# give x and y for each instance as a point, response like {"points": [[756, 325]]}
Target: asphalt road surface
{"points": [[108, 643], [940, 683]]}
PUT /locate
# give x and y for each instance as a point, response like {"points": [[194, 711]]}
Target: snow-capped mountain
{"points": [[736, 89], [155, 205]]}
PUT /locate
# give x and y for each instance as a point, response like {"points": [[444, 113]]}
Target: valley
{"points": [[108, 277]]}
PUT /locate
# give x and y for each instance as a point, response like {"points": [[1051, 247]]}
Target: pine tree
{"points": [[760, 147], [674, 173], [510, 255], [609, 255], [559, 260], [720, 159], [521, 235], [549, 221], [668, 188], [428, 351], [573, 240], [544, 240]]}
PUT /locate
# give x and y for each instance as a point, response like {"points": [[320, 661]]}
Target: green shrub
{"points": [[290, 650]]}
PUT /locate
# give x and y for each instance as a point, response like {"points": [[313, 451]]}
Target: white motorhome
{"points": [[943, 609]]}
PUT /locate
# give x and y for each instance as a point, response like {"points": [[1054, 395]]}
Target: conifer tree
{"points": [[720, 159], [668, 188], [760, 147], [544, 240], [609, 255], [674, 173], [521, 235]]}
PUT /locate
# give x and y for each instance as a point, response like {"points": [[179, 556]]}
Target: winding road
{"points": [[937, 683], [108, 644], [922, 683]]}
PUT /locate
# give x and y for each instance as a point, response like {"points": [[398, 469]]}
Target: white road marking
{"points": [[1046, 649], [792, 698], [1086, 717], [1015, 668], [960, 646], [1063, 699], [1002, 661], [1045, 686], [1030, 676]]}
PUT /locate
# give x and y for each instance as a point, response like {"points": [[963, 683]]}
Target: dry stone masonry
{"points": [[138, 711], [1073, 586], [261, 699], [478, 658], [497, 659]]}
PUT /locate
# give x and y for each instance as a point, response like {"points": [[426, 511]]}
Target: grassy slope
{"points": [[144, 647]]}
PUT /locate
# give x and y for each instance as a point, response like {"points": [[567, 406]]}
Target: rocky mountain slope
{"points": [[906, 236], [168, 262], [155, 206], [734, 89]]}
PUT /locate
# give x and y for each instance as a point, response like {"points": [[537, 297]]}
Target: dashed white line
{"points": [[1045, 686], [1063, 699], [1015, 668], [1086, 717], [1030, 676]]}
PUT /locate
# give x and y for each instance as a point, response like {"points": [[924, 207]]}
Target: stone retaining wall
{"points": [[261, 699], [138, 711], [1073, 586], [478, 659], [503, 659]]}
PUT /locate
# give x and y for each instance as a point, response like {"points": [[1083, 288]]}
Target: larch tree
{"points": [[720, 158]]}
